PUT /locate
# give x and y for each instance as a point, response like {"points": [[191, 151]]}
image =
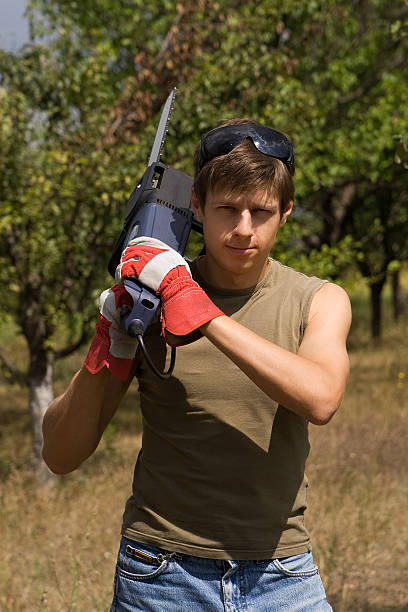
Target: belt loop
{"points": [[165, 557]]}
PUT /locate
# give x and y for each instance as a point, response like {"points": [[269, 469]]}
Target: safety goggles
{"points": [[222, 140]]}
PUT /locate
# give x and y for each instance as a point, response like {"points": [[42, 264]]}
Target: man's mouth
{"points": [[241, 249]]}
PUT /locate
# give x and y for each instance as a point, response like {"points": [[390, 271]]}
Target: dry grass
{"points": [[59, 543], [359, 484]]}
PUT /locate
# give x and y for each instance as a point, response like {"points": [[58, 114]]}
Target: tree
{"points": [[63, 185], [341, 99], [60, 196]]}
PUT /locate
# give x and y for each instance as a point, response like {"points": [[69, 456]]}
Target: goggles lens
{"points": [[222, 140]]}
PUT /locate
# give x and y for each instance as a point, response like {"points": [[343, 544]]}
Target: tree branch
{"points": [[12, 370], [71, 348]]}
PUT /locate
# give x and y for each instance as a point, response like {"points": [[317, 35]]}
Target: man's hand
{"points": [[111, 346], [185, 306]]}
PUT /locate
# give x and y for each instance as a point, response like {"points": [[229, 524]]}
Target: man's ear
{"points": [[196, 206], [286, 213]]}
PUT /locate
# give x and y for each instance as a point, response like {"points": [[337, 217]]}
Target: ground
{"points": [[59, 543]]}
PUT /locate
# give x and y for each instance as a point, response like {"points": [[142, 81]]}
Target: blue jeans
{"points": [[149, 579]]}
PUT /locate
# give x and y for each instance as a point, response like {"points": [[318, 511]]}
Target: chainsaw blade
{"points": [[162, 128]]}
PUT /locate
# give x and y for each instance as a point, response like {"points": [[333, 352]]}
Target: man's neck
{"points": [[224, 279]]}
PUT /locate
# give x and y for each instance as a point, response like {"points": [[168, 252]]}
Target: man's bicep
{"points": [[324, 341]]}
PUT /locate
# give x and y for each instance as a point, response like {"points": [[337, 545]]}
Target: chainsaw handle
{"points": [[137, 320], [145, 304]]}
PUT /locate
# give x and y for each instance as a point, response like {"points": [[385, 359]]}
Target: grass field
{"points": [[59, 543]]}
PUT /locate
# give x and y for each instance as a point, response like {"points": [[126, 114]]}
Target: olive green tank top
{"points": [[221, 472]]}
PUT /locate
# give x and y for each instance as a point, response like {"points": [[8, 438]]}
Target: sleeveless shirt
{"points": [[221, 471]]}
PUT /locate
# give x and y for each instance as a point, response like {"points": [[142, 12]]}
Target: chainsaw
{"points": [[158, 207]]}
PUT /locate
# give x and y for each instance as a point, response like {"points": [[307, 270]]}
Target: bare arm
{"points": [[75, 421], [311, 383]]}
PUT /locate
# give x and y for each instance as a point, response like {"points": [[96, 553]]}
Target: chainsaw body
{"points": [[159, 207]]}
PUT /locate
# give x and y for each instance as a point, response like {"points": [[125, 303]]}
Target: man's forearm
{"points": [[75, 421], [299, 384]]}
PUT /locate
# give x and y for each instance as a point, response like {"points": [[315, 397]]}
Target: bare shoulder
{"points": [[327, 328], [331, 304], [331, 291]]}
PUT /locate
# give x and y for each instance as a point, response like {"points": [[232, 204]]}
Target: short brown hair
{"points": [[243, 168]]}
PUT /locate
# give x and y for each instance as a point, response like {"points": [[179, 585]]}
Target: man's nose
{"points": [[244, 224]]}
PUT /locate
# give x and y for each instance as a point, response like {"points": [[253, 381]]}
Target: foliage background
{"points": [[79, 106]]}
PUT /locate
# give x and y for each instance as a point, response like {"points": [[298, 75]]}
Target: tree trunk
{"points": [[376, 311], [397, 297], [41, 394]]}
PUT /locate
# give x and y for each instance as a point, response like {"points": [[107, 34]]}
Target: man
{"points": [[216, 517]]}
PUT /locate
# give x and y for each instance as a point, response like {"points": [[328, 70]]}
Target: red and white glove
{"points": [[185, 306], [111, 346]]}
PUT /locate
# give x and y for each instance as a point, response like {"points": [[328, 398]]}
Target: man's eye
{"points": [[263, 210]]}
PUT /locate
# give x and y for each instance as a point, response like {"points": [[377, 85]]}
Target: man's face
{"points": [[239, 232]]}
